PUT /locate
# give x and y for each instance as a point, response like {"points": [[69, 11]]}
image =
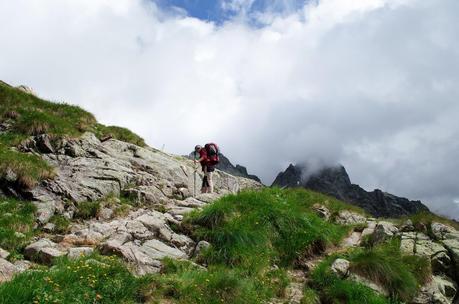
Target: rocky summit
{"points": [[335, 181], [91, 214]]}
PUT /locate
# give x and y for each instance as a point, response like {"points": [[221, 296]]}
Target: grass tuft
{"points": [[23, 170], [384, 264], [62, 224], [88, 210], [333, 289], [16, 224]]}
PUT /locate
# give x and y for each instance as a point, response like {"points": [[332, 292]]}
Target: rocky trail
{"points": [[160, 188]]}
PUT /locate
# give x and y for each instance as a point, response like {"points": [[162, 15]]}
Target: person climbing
{"points": [[208, 158]]}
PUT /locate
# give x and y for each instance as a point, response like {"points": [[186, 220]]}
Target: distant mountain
{"points": [[335, 181]]}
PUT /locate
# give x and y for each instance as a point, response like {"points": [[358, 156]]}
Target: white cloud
{"points": [[370, 83]]}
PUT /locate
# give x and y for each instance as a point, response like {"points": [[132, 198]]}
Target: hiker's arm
{"points": [[199, 160]]}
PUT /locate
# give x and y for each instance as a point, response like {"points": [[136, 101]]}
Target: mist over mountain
{"points": [[334, 181]]}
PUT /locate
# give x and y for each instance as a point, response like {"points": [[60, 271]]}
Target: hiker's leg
{"points": [[204, 184], [210, 182], [207, 175]]}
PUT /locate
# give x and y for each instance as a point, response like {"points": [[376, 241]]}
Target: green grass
{"points": [[88, 210], [183, 282], [308, 198], [384, 264], [92, 279], [250, 233], [119, 133], [62, 224], [27, 169], [334, 290], [255, 229], [310, 296], [399, 274], [29, 115], [16, 224]]}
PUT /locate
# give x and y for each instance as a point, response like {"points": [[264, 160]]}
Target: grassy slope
{"points": [[256, 237], [30, 115]]}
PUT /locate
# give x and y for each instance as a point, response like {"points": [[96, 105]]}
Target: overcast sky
{"points": [[371, 84]]}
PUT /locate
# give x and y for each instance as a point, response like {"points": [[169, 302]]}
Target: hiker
{"points": [[208, 157]]}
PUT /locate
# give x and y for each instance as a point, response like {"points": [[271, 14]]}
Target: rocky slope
{"points": [[90, 170], [335, 181]]}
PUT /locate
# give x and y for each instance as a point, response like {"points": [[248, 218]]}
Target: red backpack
{"points": [[212, 154]]}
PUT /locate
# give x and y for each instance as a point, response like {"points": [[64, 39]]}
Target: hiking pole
{"points": [[194, 183]]}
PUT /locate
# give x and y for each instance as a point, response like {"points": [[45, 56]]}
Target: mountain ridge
{"points": [[335, 181]]}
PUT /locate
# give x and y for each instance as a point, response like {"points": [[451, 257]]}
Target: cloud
{"points": [[371, 84]]}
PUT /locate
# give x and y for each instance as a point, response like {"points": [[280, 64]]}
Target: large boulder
{"points": [[439, 290], [370, 284], [453, 247], [4, 254], [78, 252], [408, 242], [341, 267], [7, 270], [322, 211], [449, 238], [43, 251], [346, 217], [418, 243], [384, 231], [442, 231]]}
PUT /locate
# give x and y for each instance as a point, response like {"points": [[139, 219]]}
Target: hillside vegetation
{"points": [[22, 115], [256, 237]]}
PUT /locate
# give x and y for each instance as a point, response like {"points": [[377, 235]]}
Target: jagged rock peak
{"points": [[334, 181]]}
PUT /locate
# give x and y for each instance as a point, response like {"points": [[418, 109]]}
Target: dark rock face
{"points": [[226, 166], [238, 170], [334, 181]]}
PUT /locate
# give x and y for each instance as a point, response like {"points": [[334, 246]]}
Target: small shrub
{"points": [[62, 224], [122, 210], [87, 210]]}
